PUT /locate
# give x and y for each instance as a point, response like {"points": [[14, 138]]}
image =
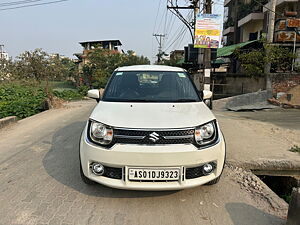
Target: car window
{"points": [[150, 86]]}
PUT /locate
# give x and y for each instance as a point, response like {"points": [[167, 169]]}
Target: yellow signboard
{"points": [[208, 31]]}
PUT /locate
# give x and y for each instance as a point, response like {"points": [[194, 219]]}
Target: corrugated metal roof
{"points": [[228, 50]]}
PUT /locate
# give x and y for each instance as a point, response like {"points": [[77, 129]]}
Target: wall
{"points": [[226, 85], [251, 27], [283, 82]]}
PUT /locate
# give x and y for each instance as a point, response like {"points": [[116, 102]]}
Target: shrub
{"points": [[67, 94], [20, 100]]}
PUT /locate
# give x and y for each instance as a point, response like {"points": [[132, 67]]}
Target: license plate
{"points": [[154, 174]]}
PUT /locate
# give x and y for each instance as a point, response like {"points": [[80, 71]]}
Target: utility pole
{"points": [[270, 37], [207, 51], [159, 40], [236, 27]]}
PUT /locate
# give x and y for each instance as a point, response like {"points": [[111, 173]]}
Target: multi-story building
{"points": [[88, 46], [3, 54], [247, 20]]}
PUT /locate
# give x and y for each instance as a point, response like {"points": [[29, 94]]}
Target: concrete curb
{"points": [[250, 101], [7, 120], [267, 164], [294, 208]]}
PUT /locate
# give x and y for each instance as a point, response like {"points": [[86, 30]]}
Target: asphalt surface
{"points": [[285, 118], [40, 184]]}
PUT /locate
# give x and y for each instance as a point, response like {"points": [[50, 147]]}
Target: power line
{"points": [[179, 35], [161, 20], [157, 15], [18, 2], [268, 8], [38, 4]]}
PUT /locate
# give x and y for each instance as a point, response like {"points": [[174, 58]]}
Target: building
{"points": [[247, 20], [88, 46], [3, 54]]}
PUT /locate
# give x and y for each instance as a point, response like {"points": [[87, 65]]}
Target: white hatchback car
{"points": [[151, 130]]}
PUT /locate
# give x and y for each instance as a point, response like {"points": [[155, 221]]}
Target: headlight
{"points": [[206, 134], [100, 133]]}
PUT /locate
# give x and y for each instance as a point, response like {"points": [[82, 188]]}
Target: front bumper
{"points": [[124, 156]]}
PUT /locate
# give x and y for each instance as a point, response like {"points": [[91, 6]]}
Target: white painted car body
{"points": [[151, 116]]}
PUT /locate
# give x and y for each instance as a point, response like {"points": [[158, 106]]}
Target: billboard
{"points": [[208, 31]]}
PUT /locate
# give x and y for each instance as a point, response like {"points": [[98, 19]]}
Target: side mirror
{"points": [[206, 94], [95, 94]]}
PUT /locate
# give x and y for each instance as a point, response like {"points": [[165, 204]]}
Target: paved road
{"points": [[285, 118], [40, 184]]}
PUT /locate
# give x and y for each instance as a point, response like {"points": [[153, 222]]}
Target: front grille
{"points": [[112, 172], [195, 172], [154, 137]]}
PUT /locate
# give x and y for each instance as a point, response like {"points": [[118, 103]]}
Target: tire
{"points": [[84, 178], [214, 181]]}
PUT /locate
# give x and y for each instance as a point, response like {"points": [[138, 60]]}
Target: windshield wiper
{"points": [[136, 100], [185, 100]]}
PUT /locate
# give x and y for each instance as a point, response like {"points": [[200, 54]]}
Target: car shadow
{"points": [[62, 163], [242, 213]]}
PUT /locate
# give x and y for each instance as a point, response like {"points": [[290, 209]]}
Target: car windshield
{"points": [[150, 86]]}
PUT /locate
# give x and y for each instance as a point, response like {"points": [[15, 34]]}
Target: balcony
{"points": [[228, 31], [250, 12], [279, 3], [251, 17], [251, 7], [228, 26], [226, 2]]}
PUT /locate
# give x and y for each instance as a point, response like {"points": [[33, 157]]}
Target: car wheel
{"points": [[214, 181], [84, 178]]}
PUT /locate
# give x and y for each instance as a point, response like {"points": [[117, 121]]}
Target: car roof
{"points": [[151, 68]]}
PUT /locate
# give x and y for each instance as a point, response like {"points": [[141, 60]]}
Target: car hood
{"points": [[152, 115]]}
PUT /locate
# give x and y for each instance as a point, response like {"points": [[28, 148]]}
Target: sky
{"points": [[57, 28]]}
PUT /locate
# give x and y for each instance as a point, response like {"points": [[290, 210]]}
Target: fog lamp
{"points": [[207, 168], [97, 169]]}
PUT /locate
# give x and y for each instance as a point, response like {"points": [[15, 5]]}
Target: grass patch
{"points": [[24, 99], [295, 148], [60, 85], [21, 100], [67, 94]]}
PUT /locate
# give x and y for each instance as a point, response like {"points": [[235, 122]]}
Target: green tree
{"points": [[102, 62], [253, 60]]}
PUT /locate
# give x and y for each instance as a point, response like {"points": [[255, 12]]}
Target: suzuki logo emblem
{"points": [[154, 137]]}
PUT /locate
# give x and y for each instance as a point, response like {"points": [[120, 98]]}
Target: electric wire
{"points": [[158, 9], [175, 35], [18, 2], [31, 5], [181, 34], [278, 14]]}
